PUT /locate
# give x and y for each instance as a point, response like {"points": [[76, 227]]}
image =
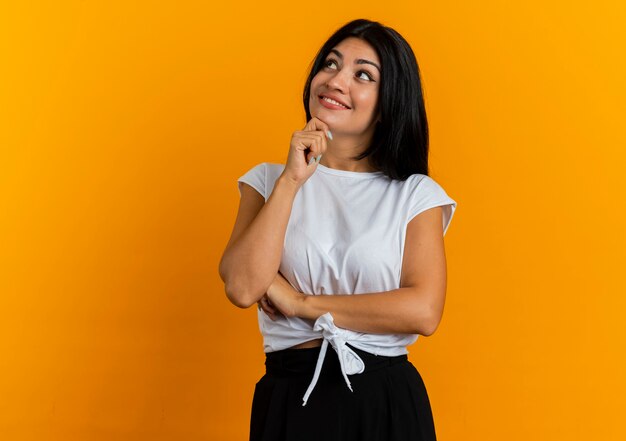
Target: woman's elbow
{"points": [[244, 290], [234, 292], [238, 297], [426, 321], [428, 330], [244, 294], [431, 324]]}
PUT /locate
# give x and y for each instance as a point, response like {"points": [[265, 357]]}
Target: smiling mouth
{"points": [[330, 103]]}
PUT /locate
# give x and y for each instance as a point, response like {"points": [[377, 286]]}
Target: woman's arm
{"points": [[252, 256], [414, 308], [405, 310], [253, 253]]}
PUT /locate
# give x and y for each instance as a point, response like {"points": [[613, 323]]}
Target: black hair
{"points": [[399, 146]]}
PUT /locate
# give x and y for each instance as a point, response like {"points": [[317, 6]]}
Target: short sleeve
{"points": [[255, 177], [428, 194]]}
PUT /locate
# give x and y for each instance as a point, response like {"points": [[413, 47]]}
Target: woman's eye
{"points": [[331, 61]]}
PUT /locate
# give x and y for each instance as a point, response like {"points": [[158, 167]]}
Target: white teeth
{"points": [[333, 102]]}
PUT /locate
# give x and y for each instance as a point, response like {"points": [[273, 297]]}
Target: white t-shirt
{"points": [[345, 235]]}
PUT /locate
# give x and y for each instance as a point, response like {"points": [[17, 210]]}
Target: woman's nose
{"points": [[339, 81]]}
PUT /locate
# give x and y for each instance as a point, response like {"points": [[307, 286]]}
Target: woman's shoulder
{"points": [[265, 170], [423, 182], [275, 167]]}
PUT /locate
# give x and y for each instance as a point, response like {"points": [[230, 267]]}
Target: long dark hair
{"points": [[399, 145]]}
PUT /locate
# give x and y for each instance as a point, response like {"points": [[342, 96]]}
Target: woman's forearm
{"points": [[252, 261], [399, 311]]}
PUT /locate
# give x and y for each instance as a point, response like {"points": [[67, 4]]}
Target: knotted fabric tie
{"points": [[349, 360]]}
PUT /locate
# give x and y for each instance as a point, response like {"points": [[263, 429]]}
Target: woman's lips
{"points": [[331, 105]]}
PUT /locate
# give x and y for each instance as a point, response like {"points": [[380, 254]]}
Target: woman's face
{"points": [[350, 75]]}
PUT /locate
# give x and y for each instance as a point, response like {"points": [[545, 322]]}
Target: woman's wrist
{"points": [[286, 182], [306, 307]]}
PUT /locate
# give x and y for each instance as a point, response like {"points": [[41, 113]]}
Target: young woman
{"points": [[343, 246]]}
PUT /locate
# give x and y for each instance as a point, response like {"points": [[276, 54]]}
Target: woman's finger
{"points": [[263, 305], [322, 132], [269, 314], [268, 305], [312, 144], [316, 124]]}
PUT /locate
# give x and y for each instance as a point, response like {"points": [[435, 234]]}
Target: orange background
{"points": [[123, 129]]}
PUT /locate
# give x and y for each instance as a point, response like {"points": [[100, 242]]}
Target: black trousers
{"points": [[389, 401]]}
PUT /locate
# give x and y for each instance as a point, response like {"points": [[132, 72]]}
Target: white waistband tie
{"points": [[349, 361]]}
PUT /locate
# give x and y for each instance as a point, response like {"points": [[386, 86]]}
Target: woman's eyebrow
{"points": [[359, 61]]}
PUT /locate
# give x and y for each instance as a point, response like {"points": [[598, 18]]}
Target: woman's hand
{"points": [[266, 306], [306, 144], [281, 298]]}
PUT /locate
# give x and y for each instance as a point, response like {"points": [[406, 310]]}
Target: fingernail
{"points": [[311, 160], [330, 135], [318, 158]]}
